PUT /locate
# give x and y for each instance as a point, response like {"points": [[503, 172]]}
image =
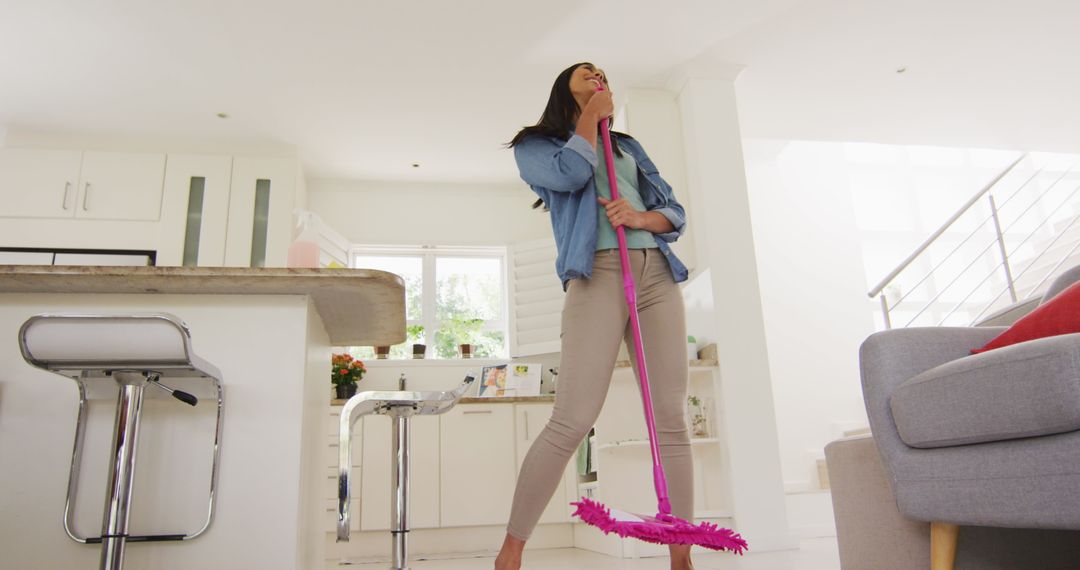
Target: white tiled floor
{"points": [[813, 554]]}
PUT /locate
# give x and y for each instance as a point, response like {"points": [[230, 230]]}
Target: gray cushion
{"points": [[1024, 390], [1062, 282]]}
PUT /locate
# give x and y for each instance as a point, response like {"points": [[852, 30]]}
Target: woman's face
{"points": [[585, 80]]}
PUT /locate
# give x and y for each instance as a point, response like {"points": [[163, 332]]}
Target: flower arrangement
{"points": [[346, 370]]}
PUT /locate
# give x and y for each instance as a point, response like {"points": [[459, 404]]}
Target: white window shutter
{"points": [[537, 299]]}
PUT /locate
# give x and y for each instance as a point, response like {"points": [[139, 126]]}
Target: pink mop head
{"points": [[661, 529]]}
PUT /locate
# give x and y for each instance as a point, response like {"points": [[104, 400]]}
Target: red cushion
{"points": [[1060, 315]]}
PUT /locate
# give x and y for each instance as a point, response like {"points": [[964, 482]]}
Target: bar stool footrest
{"points": [[143, 538]]}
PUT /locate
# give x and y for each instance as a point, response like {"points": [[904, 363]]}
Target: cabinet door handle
{"points": [[526, 426], [86, 194], [467, 412], [67, 189]]}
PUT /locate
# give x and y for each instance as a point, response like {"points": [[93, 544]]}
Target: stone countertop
{"points": [[358, 306], [510, 400]]}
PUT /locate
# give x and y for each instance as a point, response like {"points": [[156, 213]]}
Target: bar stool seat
{"points": [[122, 355], [400, 405]]}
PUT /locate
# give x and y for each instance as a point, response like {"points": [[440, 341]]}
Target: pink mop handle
{"points": [[659, 479]]}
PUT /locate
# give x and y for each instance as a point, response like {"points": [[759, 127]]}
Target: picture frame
{"points": [[493, 381], [508, 380]]}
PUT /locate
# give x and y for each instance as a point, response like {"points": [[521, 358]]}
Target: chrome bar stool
{"points": [[121, 355], [401, 406]]}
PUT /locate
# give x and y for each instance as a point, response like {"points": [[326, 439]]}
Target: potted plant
{"points": [[468, 331], [698, 422], [416, 332], [345, 372]]}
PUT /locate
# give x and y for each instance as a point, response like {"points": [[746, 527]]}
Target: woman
{"points": [[558, 158]]}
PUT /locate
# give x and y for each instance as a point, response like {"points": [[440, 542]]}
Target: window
{"points": [[453, 296]]}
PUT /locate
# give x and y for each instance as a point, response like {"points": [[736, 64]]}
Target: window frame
{"points": [[429, 254]]}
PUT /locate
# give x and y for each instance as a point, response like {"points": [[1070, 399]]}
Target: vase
{"points": [[382, 352], [418, 350], [466, 350]]}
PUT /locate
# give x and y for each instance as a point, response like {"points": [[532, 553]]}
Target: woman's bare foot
{"points": [[509, 557], [680, 557]]}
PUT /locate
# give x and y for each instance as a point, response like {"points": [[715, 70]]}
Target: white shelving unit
{"points": [[624, 466]]}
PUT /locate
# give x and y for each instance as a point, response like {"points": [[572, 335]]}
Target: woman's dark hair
{"points": [[558, 117]]}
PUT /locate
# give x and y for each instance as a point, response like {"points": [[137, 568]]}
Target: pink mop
{"points": [[663, 528]]}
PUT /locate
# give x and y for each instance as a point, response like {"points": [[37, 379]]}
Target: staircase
{"points": [[1003, 247]]}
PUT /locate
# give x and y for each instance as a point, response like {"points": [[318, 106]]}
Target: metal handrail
{"points": [[941, 292], [934, 236], [994, 211], [1072, 250], [1031, 264], [998, 232], [1007, 251], [1009, 277]]}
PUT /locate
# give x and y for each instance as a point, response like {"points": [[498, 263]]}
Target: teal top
{"points": [[626, 176]]}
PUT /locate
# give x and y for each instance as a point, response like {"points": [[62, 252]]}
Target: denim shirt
{"points": [[562, 173]]}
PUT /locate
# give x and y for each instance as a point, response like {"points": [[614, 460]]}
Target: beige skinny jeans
{"points": [[595, 321]]}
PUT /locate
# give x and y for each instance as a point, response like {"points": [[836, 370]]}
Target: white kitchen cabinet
{"points": [[195, 210], [87, 185], [477, 466], [120, 186], [38, 183], [423, 475], [464, 467], [530, 420], [261, 201]]}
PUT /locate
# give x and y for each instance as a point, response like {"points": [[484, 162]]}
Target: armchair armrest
{"points": [[1024, 390], [889, 358]]}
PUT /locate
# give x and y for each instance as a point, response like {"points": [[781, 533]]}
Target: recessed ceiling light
{"points": [[223, 115], [416, 165], [901, 69]]}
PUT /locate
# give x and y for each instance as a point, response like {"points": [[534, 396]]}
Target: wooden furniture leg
{"points": [[943, 545]]}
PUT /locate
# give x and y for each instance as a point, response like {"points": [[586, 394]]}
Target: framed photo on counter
{"points": [[513, 379]]}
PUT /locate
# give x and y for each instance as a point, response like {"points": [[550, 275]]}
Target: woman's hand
{"points": [[621, 213], [600, 106]]}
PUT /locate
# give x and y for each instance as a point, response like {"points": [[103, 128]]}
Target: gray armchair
{"points": [[988, 440]]}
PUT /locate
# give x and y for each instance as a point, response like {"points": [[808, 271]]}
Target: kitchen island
{"points": [[269, 331]]}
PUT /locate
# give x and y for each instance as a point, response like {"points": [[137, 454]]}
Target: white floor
{"points": [[813, 554]]}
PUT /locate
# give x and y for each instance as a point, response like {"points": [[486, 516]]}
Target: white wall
{"points": [[653, 116], [434, 213], [813, 294]]}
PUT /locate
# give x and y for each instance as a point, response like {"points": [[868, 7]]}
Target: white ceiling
{"points": [[365, 88], [980, 73]]}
